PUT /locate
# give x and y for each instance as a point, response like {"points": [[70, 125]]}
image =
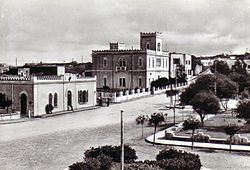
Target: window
{"points": [[248, 66], [122, 82], [140, 82], [153, 63], [140, 62], [176, 61], [105, 81], [166, 63], [55, 100], [148, 45], [82, 96], [158, 46], [158, 62], [149, 62], [2, 98], [105, 62], [50, 98], [122, 62]]}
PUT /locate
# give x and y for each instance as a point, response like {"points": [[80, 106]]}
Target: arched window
{"points": [[158, 46], [50, 98], [55, 100], [148, 45], [122, 62], [140, 62]]}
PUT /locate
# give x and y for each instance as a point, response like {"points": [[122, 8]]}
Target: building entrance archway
{"points": [[23, 105], [69, 100]]}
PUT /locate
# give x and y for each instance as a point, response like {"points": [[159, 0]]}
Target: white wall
{"points": [[42, 88]]}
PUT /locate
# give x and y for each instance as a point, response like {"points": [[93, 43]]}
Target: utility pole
{"points": [[215, 83], [122, 143]]}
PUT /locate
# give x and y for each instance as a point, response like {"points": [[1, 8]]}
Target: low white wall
{"points": [[137, 93]]}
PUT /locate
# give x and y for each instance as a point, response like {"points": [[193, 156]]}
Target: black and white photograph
{"points": [[124, 84]]}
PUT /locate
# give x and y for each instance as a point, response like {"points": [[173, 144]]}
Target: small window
{"points": [[82, 96], [105, 62], [140, 82], [140, 62], [122, 82], [153, 63], [122, 62], [105, 81], [55, 100], [158, 62], [158, 46], [149, 62], [50, 98], [176, 61], [148, 45]]}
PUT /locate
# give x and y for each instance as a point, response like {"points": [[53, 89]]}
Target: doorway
{"points": [[69, 100], [23, 105]]}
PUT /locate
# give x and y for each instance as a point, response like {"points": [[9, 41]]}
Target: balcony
{"points": [[119, 68]]}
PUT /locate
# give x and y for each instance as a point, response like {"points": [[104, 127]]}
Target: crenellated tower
{"points": [[151, 41]]}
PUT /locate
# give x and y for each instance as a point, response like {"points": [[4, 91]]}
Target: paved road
{"points": [[56, 142]]}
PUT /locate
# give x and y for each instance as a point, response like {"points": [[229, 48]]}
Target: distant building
{"points": [[3, 68], [180, 59], [31, 93], [120, 68]]}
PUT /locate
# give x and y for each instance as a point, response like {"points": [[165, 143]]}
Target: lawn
{"points": [[215, 125]]}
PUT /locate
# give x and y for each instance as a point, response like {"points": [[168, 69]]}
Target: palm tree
{"points": [[156, 119], [191, 124], [231, 130], [141, 119]]}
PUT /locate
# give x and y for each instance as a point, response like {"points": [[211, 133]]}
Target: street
{"points": [[57, 142]]}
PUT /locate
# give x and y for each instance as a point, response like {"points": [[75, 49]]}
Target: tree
{"points": [[220, 67], [225, 89], [239, 67], [141, 119], [242, 80], [180, 74], [156, 119], [191, 124], [222, 85], [231, 130], [243, 109], [205, 103]]}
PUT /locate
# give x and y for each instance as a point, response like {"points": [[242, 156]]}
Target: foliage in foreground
{"points": [[113, 152], [166, 159], [170, 160]]}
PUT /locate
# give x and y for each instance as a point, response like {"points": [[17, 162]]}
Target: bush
{"points": [[112, 151], [106, 161], [173, 159], [89, 163]]}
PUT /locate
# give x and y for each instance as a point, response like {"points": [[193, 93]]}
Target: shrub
{"points": [[173, 159], [112, 151], [106, 161], [89, 163]]}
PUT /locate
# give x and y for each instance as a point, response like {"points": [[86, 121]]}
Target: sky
{"points": [[66, 30]]}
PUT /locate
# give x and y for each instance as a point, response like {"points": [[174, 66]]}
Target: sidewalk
{"points": [[159, 139], [10, 121]]}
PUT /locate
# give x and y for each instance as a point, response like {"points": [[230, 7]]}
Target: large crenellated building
{"points": [[120, 68]]}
